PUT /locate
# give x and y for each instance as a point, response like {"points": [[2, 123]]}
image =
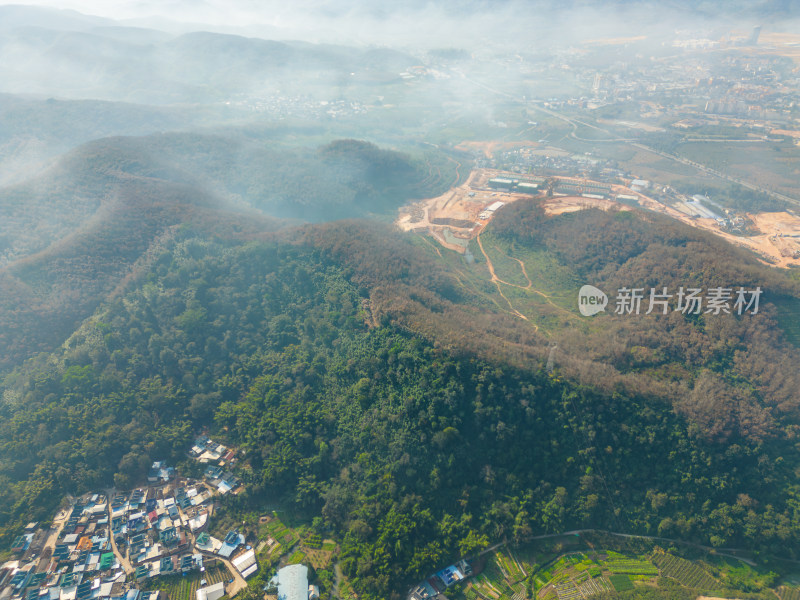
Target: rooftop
{"points": [[292, 582]]}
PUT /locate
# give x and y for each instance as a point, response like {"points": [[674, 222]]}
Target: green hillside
{"points": [[331, 356], [78, 230]]}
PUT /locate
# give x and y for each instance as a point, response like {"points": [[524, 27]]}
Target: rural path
{"points": [[530, 283], [497, 281], [337, 573], [238, 584], [431, 244], [458, 175], [525, 273], [238, 581], [55, 531], [126, 565]]}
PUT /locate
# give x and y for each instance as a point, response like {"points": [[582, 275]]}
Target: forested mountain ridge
{"points": [[727, 374], [368, 385], [71, 235]]}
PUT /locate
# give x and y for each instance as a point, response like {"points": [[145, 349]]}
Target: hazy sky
{"points": [[231, 13], [438, 23], [431, 23]]}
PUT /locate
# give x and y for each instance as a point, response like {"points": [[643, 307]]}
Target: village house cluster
{"points": [[106, 547]]}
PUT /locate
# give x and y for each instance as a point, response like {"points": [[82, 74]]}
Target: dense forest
{"points": [[75, 232], [329, 355], [731, 376]]}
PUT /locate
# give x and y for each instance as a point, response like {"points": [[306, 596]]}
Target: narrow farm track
{"points": [[461, 278], [497, 281], [524, 272], [528, 287], [431, 244]]}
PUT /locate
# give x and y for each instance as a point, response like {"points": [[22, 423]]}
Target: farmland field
{"points": [[281, 533], [684, 572], [630, 567], [508, 565], [178, 587], [789, 593], [320, 557], [488, 588], [496, 580], [621, 582]]}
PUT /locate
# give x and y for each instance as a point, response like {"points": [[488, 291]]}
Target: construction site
{"points": [[461, 213]]}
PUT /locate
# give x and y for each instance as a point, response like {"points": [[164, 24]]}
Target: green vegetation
{"points": [[767, 164], [297, 558], [621, 583], [789, 593], [607, 573], [733, 196], [183, 587], [93, 221], [356, 375], [509, 566], [684, 572], [631, 567], [396, 406]]}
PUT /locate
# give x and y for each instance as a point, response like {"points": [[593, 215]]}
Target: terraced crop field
{"points": [[630, 567], [492, 582], [581, 586], [567, 590], [178, 587], [594, 586], [789, 593], [282, 533], [509, 566], [684, 572], [490, 589], [320, 558]]}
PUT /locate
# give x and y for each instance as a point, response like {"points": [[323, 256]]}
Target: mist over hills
{"points": [[71, 54], [138, 65], [196, 235], [21, 15], [71, 234]]}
